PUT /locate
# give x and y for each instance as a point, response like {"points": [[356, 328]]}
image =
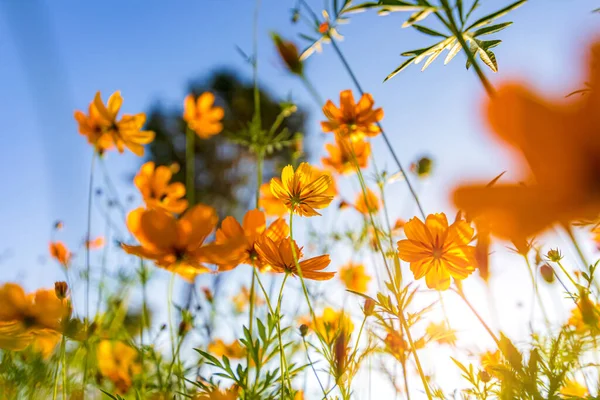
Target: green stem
{"points": [[312, 90], [144, 279], [64, 365], [88, 269], [567, 274], [190, 166], [170, 317], [481, 320], [383, 134], [313, 367], [282, 359]]}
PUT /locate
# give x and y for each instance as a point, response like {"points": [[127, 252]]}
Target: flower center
{"points": [[438, 252]]}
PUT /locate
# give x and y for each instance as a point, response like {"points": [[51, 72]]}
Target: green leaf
{"points": [[453, 52], [361, 295], [428, 31], [510, 352], [473, 8], [489, 18], [385, 6], [461, 14], [488, 30], [418, 16], [401, 68]]}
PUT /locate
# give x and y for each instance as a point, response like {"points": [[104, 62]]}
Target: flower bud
{"points": [[422, 167], [369, 307], [554, 255], [547, 273], [484, 376], [303, 330], [61, 289], [289, 54]]}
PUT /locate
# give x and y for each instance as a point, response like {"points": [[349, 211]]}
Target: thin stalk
{"points": [[190, 166], [313, 367], [537, 292], [383, 134], [360, 331], [88, 270], [481, 320], [63, 351], [567, 274], [282, 359], [143, 278], [312, 90], [170, 317]]}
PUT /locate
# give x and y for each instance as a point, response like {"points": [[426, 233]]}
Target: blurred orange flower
{"points": [[60, 253], [573, 389], [355, 277], [367, 205], [437, 251], [272, 205], [304, 190], [177, 244], [154, 183], [491, 360], [396, 346], [585, 317], [242, 299], [331, 324], [202, 116], [340, 155], [559, 143], [352, 120], [218, 348], [441, 333], [118, 362], [278, 254], [217, 394], [247, 235], [103, 130], [95, 244]]}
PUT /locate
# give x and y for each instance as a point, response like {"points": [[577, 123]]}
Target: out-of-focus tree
{"points": [[225, 172]]}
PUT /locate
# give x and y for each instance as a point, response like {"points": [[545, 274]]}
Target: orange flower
{"points": [[355, 277], [437, 251], [490, 361], [202, 116], [278, 254], [560, 145], [332, 190], [103, 130], [118, 362], [242, 299], [367, 205], [177, 244], [398, 226], [585, 317], [396, 346], [272, 205], [441, 333], [331, 324], [216, 394], [340, 155], [218, 348], [246, 236], [573, 389], [157, 191], [60, 253], [302, 191], [95, 244], [352, 120]]}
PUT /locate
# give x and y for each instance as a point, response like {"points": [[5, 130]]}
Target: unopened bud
{"points": [[484, 376], [303, 330], [369, 307], [289, 54], [422, 167], [547, 273], [61, 289], [554, 255]]}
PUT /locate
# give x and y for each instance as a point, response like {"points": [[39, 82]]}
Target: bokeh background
{"points": [[54, 56]]}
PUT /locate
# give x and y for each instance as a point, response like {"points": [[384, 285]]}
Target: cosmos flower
{"points": [[202, 116], [355, 277], [279, 255], [246, 235], [273, 206], [60, 253], [441, 333], [573, 389], [352, 120], [370, 204], [104, 130], [559, 142], [437, 251], [302, 191], [331, 324], [118, 362], [340, 155], [218, 348], [154, 183]]}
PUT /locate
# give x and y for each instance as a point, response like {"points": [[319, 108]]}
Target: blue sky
{"points": [[54, 55]]}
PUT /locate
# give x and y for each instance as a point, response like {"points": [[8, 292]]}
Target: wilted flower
{"points": [[118, 362], [104, 130], [302, 191], [280, 256], [202, 116], [369, 307], [547, 273], [355, 277], [437, 251], [154, 184], [352, 120]]}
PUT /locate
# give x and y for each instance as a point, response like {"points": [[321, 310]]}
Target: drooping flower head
{"points": [[352, 120], [118, 362], [341, 158], [202, 116], [437, 251], [104, 130], [280, 256], [303, 191], [154, 183], [558, 143], [177, 244], [247, 235], [355, 277]]}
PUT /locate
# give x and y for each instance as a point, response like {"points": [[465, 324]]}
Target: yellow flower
{"points": [[441, 333], [332, 324], [355, 277], [202, 116], [177, 244], [302, 191], [118, 362], [585, 317], [491, 360], [60, 253], [352, 120], [246, 236], [217, 394], [157, 191], [558, 142], [272, 205], [279, 255], [242, 299], [572, 388], [370, 204], [437, 251], [103, 130], [340, 155], [218, 348]]}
